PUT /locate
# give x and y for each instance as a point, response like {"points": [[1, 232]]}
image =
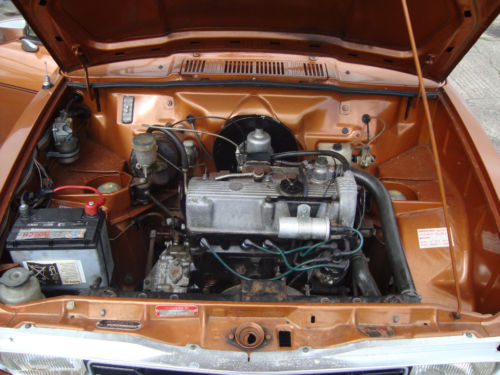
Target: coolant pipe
{"points": [[395, 252], [363, 277]]}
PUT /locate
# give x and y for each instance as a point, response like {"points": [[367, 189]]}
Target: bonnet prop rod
{"points": [[436, 157]]}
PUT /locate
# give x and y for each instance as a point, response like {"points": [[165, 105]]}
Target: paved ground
{"points": [[477, 77], [7, 10]]}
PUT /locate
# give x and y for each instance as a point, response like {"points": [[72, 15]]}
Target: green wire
{"points": [[236, 273], [311, 248], [288, 265], [283, 254]]}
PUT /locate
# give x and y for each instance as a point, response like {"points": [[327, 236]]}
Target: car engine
{"points": [[270, 223]]}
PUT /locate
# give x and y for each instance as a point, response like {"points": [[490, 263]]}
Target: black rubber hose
{"points": [[289, 154], [363, 277], [191, 119], [177, 143], [395, 252]]}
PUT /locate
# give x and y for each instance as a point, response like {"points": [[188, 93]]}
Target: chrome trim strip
{"points": [[129, 350]]}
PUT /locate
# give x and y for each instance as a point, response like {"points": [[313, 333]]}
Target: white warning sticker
{"points": [[57, 272], [429, 238], [167, 311]]}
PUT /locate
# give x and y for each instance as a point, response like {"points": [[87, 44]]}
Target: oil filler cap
{"points": [[291, 186]]}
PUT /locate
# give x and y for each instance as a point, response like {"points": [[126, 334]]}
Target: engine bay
{"points": [[234, 196]]}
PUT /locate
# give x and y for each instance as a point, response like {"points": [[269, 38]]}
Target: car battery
{"points": [[66, 249]]}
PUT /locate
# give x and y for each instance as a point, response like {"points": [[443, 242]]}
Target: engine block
{"points": [[274, 205]]}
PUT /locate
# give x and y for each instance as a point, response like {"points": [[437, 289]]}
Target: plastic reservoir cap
{"points": [[396, 195], [144, 142], [109, 187], [15, 277]]}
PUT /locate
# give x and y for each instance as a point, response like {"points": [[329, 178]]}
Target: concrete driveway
{"points": [[477, 78]]}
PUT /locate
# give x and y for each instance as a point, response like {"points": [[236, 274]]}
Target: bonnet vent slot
{"points": [[194, 66], [238, 67], [314, 70], [275, 68], [255, 68]]}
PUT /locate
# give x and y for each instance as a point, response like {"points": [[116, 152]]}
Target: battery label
{"points": [[57, 272], [50, 233], [166, 311]]}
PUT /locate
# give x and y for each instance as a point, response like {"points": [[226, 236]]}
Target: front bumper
{"points": [[133, 351]]}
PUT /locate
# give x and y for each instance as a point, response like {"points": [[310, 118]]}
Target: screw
{"points": [[196, 54], [70, 305], [102, 312], [395, 318], [231, 336], [313, 58], [192, 347], [305, 350], [345, 130], [468, 334]]}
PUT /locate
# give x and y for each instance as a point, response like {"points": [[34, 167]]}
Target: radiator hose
{"points": [[395, 252]]}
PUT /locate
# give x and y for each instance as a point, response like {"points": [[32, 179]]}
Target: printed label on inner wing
{"points": [[166, 311], [429, 238]]}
